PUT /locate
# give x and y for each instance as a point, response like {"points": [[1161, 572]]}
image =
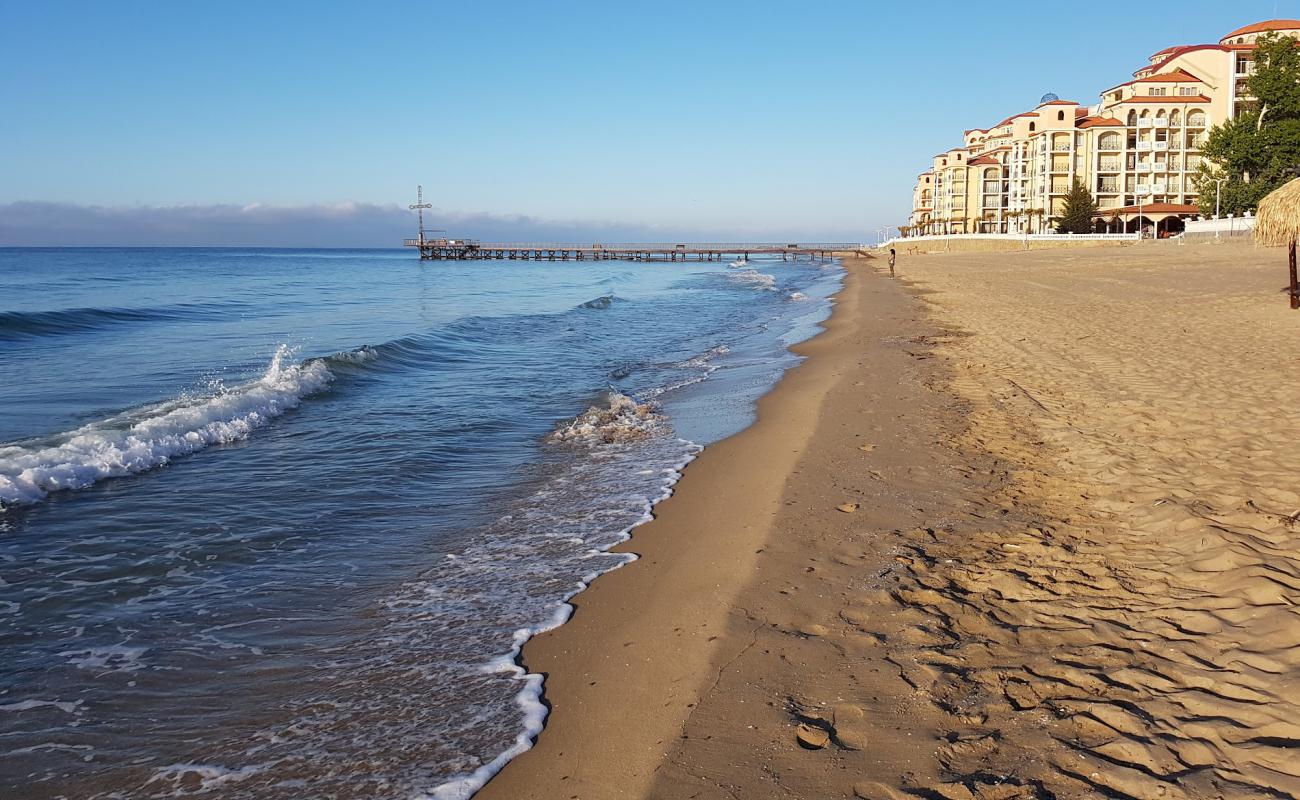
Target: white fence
{"points": [[1014, 237], [1227, 226]]}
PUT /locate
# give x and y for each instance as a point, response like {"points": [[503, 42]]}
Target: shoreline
{"points": [[1021, 526], [625, 674]]}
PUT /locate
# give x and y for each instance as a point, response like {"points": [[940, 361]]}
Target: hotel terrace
{"points": [[1137, 150]]}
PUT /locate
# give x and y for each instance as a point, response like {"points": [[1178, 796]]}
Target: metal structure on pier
{"points": [[445, 249]]}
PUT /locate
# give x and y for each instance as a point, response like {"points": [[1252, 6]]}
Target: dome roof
{"points": [[1264, 27]]}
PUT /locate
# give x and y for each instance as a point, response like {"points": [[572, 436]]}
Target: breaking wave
{"points": [[620, 419], [753, 278], [146, 438]]}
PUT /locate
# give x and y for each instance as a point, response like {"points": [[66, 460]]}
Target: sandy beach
{"points": [[1022, 526]]}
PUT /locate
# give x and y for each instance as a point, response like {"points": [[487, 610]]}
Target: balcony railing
{"points": [[1108, 165], [1144, 123], [1142, 146]]}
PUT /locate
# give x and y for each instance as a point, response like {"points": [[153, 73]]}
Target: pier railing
{"points": [[468, 249]]}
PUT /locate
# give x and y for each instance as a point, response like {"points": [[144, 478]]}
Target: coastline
{"points": [[1071, 568], [625, 675]]}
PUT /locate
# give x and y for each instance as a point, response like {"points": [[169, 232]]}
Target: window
{"points": [[1060, 116], [1157, 91], [1032, 127], [1187, 91]]}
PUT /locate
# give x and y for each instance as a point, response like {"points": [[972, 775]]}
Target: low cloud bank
{"points": [[45, 224]]}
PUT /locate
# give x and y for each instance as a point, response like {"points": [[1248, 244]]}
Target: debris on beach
{"points": [[812, 737]]}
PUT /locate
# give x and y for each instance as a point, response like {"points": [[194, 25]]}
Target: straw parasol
{"points": [[1278, 223]]}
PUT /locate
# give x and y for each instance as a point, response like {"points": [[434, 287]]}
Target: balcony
{"points": [[1144, 123], [1160, 122], [1160, 147], [1108, 187], [1108, 165], [1143, 167], [1158, 188], [1143, 189], [1142, 147]]}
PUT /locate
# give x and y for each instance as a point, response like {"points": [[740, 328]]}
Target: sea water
{"points": [[275, 523]]}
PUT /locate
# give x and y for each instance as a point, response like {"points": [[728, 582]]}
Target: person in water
{"points": [[892, 257]]}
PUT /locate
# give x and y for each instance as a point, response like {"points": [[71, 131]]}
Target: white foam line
{"points": [[529, 698], [142, 441]]}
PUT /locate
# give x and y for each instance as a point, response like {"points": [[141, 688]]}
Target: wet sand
{"points": [[1021, 527]]}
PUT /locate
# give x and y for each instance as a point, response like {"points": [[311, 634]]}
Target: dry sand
{"points": [[1023, 526]]}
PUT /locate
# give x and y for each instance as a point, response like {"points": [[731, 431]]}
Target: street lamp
{"points": [[1218, 193]]}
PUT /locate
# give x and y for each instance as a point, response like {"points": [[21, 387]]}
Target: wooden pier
{"points": [[469, 249]]}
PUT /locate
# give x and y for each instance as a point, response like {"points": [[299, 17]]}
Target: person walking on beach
{"points": [[892, 257]]}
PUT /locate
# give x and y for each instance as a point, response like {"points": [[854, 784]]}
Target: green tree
{"points": [[1259, 150], [1077, 212]]}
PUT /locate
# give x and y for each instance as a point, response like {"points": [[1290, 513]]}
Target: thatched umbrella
{"points": [[1278, 223]]}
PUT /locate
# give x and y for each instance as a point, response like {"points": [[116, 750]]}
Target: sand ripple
{"points": [[1145, 614]]}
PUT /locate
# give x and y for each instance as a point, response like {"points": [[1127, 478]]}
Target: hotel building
{"points": [[1136, 150]]}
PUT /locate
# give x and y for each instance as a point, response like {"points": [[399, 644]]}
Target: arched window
{"points": [[1032, 127], [1146, 114], [1060, 116], [1132, 118], [1110, 140], [991, 173], [1175, 118], [1196, 119]]}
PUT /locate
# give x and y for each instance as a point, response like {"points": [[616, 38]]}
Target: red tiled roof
{"points": [[1015, 116], [1183, 50], [1177, 76], [1263, 27], [1058, 103], [983, 161], [1098, 122]]}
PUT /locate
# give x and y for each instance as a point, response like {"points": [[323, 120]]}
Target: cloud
{"points": [[349, 224]]}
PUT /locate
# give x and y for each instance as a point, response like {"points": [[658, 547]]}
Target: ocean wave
{"points": [[147, 438], [16, 325], [620, 419], [753, 279], [602, 302]]}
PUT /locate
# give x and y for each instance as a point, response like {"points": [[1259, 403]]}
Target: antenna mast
{"points": [[419, 207]]}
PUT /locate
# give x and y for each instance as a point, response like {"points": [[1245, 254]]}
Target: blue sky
{"points": [[729, 120]]}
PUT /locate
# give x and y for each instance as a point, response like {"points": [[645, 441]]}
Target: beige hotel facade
{"points": [[1136, 150]]}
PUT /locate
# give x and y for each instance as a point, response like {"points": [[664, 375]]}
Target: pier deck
{"points": [[469, 249]]}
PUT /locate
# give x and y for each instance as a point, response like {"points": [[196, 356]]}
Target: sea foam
{"points": [[151, 437]]}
